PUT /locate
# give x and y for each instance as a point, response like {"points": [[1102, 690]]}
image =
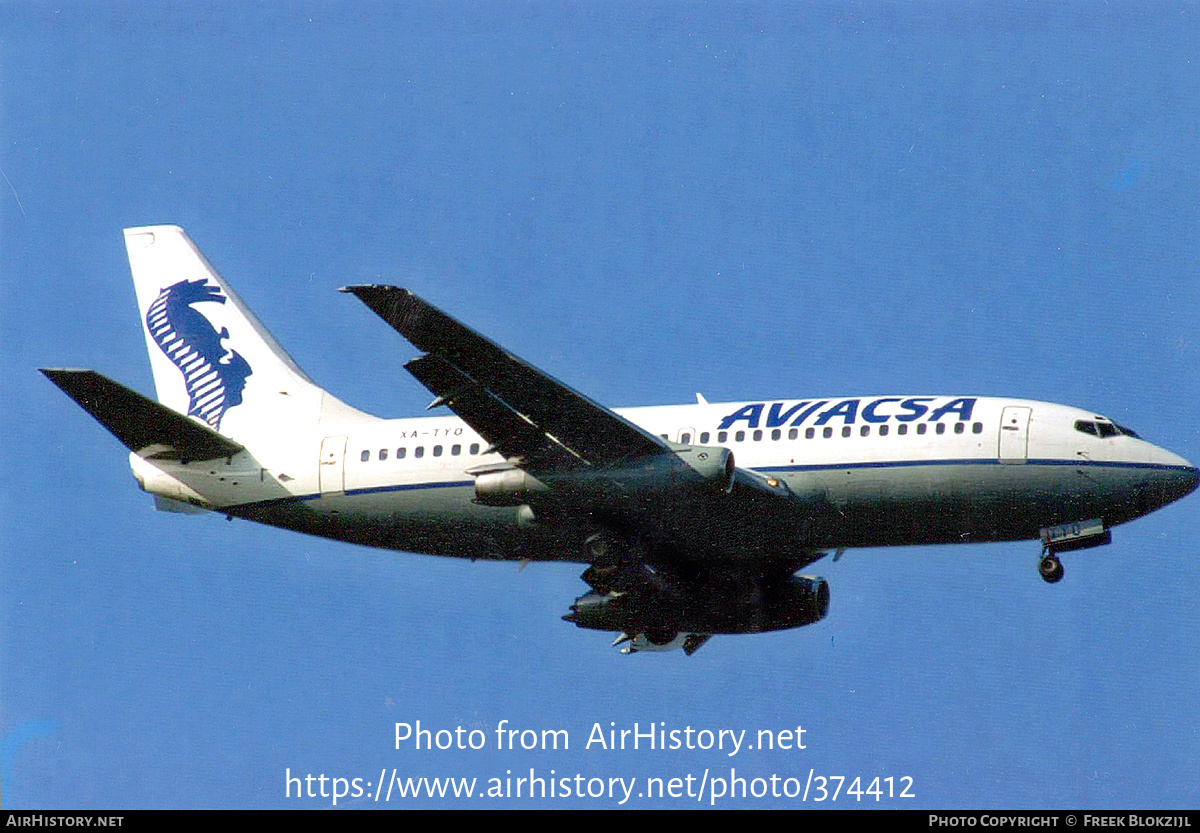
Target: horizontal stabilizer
{"points": [[145, 427]]}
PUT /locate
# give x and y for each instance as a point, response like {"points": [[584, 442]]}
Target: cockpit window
{"points": [[1103, 429]]}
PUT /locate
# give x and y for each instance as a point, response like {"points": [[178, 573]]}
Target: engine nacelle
{"points": [[801, 600], [506, 487], [713, 463], [685, 467], [609, 612], [778, 605]]}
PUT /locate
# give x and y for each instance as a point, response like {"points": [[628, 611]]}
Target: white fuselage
{"points": [[868, 471]]}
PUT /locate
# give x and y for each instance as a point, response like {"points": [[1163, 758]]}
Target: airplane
{"points": [[694, 520]]}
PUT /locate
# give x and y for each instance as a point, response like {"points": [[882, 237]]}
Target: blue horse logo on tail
{"points": [[215, 375]]}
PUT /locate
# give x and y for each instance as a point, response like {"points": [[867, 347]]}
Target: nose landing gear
{"points": [[1080, 535]]}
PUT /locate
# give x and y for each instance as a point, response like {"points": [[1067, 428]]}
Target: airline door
{"points": [[332, 471], [1014, 434]]}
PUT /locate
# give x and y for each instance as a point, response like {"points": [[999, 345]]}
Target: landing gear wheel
{"points": [[659, 636], [1051, 568], [602, 549]]}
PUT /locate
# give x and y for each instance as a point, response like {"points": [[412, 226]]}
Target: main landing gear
{"points": [[1050, 568]]}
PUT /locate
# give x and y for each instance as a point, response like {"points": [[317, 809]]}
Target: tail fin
{"points": [[210, 357]]}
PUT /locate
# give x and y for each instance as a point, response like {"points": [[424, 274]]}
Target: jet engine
{"points": [[753, 608], [662, 475]]}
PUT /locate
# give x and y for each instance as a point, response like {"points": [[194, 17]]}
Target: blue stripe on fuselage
{"points": [[878, 464]]}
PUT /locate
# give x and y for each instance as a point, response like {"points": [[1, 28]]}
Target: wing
{"points": [[547, 428], [527, 415], [681, 554]]}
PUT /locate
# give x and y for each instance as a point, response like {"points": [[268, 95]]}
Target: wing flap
{"points": [[568, 424], [510, 432], [142, 425]]}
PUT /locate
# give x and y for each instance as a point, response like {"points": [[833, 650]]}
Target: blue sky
{"points": [[755, 201]]}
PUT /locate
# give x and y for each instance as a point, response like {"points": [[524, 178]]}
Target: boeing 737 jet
{"points": [[693, 520]]}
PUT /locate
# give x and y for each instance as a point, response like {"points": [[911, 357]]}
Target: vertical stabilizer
{"points": [[210, 357]]}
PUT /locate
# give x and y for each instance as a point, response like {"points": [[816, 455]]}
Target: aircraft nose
{"points": [[1190, 479], [1178, 477]]}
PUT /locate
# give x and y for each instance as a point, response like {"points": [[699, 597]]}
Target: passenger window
{"points": [[703, 438], [366, 455], [958, 427], [685, 438], [757, 436], [456, 450], [808, 433], [977, 428], [902, 428], [941, 428], [383, 454], [793, 433], [776, 434], [739, 436], [722, 436], [865, 431], [420, 452], [437, 451], [827, 433], [474, 448], [400, 452], [883, 430]]}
